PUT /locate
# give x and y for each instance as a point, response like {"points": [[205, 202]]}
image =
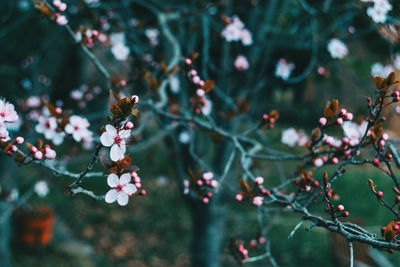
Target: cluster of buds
{"points": [[84, 94], [339, 119], [307, 183], [62, 7], [270, 119], [241, 252], [339, 211], [88, 36], [200, 103], [40, 152], [396, 96], [137, 182], [391, 231], [205, 184], [255, 195]]}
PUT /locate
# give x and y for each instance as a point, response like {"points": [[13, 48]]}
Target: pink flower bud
{"points": [[208, 175], [34, 149], [138, 185], [239, 197], [322, 121], [318, 162], [209, 194], [14, 148], [258, 201], [335, 160], [259, 180], [38, 155], [188, 61], [199, 182], [193, 72], [340, 208], [19, 140], [261, 240], [346, 214], [128, 125], [339, 121], [214, 183], [385, 136], [58, 110], [200, 92], [206, 200], [253, 242], [379, 194], [196, 79], [265, 116], [143, 192], [349, 116], [122, 83], [62, 7], [343, 111], [201, 83]]}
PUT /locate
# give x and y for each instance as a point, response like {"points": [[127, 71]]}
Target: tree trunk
{"points": [[208, 224]]}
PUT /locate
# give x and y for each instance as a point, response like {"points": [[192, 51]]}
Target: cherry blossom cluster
{"points": [[337, 49], [241, 252], [255, 195], [284, 69], [378, 10], [7, 115], [88, 36], [55, 125], [270, 119], [294, 137], [84, 94], [118, 46], [235, 31], [202, 185], [200, 101], [62, 7]]}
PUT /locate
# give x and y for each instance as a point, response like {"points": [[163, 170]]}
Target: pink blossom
{"points": [[4, 135], [318, 162], [259, 180], [61, 20], [7, 112], [239, 197], [284, 69], [117, 140], [245, 36], [258, 201], [122, 188], [241, 63], [322, 121], [208, 175], [337, 48], [49, 153], [48, 126], [77, 127]]}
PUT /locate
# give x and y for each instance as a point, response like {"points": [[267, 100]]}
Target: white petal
{"points": [[116, 153], [112, 180], [111, 130], [69, 128], [122, 198], [124, 179], [124, 134], [111, 196], [106, 139], [129, 189]]}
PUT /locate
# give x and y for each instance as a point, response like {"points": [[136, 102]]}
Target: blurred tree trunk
{"points": [[208, 223]]}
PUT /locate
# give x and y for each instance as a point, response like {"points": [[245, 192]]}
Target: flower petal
{"points": [[129, 189], [124, 134], [111, 196], [122, 198], [112, 180], [111, 130], [116, 153], [124, 179], [106, 139]]}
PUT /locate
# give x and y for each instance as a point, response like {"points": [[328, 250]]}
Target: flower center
{"points": [[3, 114], [76, 128], [47, 124], [118, 188], [117, 140]]}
